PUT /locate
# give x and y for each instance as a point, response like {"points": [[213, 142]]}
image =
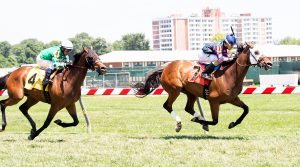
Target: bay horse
{"points": [[64, 91], [225, 87]]}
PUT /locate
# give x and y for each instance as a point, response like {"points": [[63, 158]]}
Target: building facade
{"points": [[177, 32]]}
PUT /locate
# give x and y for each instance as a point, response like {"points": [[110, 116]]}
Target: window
{"points": [[126, 64], [151, 63], [139, 64], [282, 59]]}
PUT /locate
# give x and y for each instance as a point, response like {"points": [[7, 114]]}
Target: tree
{"points": [[27, 50], [81, 40], [3, 61], [218, 37], [135, 41], [289, 41], [5, 48], [18, 51], [117, 45], [32, 49], [100, 46], [12, 61]]}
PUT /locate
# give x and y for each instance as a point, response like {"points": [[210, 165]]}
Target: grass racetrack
{"points": [[127, 131]]}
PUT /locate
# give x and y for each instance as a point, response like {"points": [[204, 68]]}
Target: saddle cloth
{"points": [[196, 75], [35, 78]]}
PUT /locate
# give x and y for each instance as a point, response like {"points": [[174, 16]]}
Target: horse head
{"points": [[90, 59], [264, 62], [256, 58]]}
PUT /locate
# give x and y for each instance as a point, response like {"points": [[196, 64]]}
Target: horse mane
{"points": [[240, 48], [77, 57]]}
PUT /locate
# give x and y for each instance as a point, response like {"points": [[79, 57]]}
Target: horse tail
{"points": [[3, 81], [152, 82]]}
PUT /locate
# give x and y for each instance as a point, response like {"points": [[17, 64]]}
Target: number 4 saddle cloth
{"points": [[35, 78]]}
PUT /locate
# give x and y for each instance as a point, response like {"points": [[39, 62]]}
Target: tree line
{"points": [[26, 51]]}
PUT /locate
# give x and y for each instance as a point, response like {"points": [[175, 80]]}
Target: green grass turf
{"points": [[127, 131]]}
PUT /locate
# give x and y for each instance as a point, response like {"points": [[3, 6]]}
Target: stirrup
{"points": [[206, 76], [46, 81]]}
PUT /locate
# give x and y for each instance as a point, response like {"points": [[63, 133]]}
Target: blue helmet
{"points": [[230, 39]]}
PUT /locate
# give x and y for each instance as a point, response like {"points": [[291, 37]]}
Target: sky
{"points": [[48, 20]]}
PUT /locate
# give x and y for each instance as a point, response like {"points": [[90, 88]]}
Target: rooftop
{"points": [[147, 56]]}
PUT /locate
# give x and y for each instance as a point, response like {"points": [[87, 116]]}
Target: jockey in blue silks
{"points": [[216, 53]]}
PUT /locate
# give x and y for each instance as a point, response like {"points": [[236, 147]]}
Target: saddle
{"points": [[35, 78], [196, 78]]}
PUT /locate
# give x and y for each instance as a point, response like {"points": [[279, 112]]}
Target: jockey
{"points": [[54, 58], [216, 53]]}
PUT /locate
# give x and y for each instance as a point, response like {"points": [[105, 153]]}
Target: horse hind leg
{"points": [[3, 116], [24, 109], [72, 111], [52, 112], [3, 104], [168, 106]]}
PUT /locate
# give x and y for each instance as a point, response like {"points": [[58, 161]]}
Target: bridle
{"points": [[247, 65], [88, 64]]}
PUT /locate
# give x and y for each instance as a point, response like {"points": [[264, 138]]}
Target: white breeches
{"points": [[207, 58], [44, 63]]}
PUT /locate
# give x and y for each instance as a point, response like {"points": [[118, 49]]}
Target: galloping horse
{"points": [[224, 88], [64, 91]]}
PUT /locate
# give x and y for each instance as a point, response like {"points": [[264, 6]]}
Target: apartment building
{"points": [[178, 32]]}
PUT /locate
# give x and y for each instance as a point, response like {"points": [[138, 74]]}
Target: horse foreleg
{"points": [[24, 109], [51, 114], [72, 111], [214, 108], [237, 102], [3, 104], [191, 99], [168, 106]]}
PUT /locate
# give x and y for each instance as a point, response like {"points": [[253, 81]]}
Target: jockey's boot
{"points": [[207, 72], [47, 76]]}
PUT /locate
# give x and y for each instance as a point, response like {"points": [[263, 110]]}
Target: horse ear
{"points": [[85, 49]]}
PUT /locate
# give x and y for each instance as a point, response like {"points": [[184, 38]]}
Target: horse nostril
{"points": [[269, 65]]}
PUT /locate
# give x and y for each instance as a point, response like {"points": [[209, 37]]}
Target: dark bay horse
{"points": [[64, 91], [224, 88]]}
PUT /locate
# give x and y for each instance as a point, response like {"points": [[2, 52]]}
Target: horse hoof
{"points": [[197, 120], [58, 122], [31, 137], [3, 128], [178, 126], [194, 119], [231, 125], [205, 127]]}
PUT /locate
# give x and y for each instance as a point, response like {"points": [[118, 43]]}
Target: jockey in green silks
{"points": [[55, 57]]}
